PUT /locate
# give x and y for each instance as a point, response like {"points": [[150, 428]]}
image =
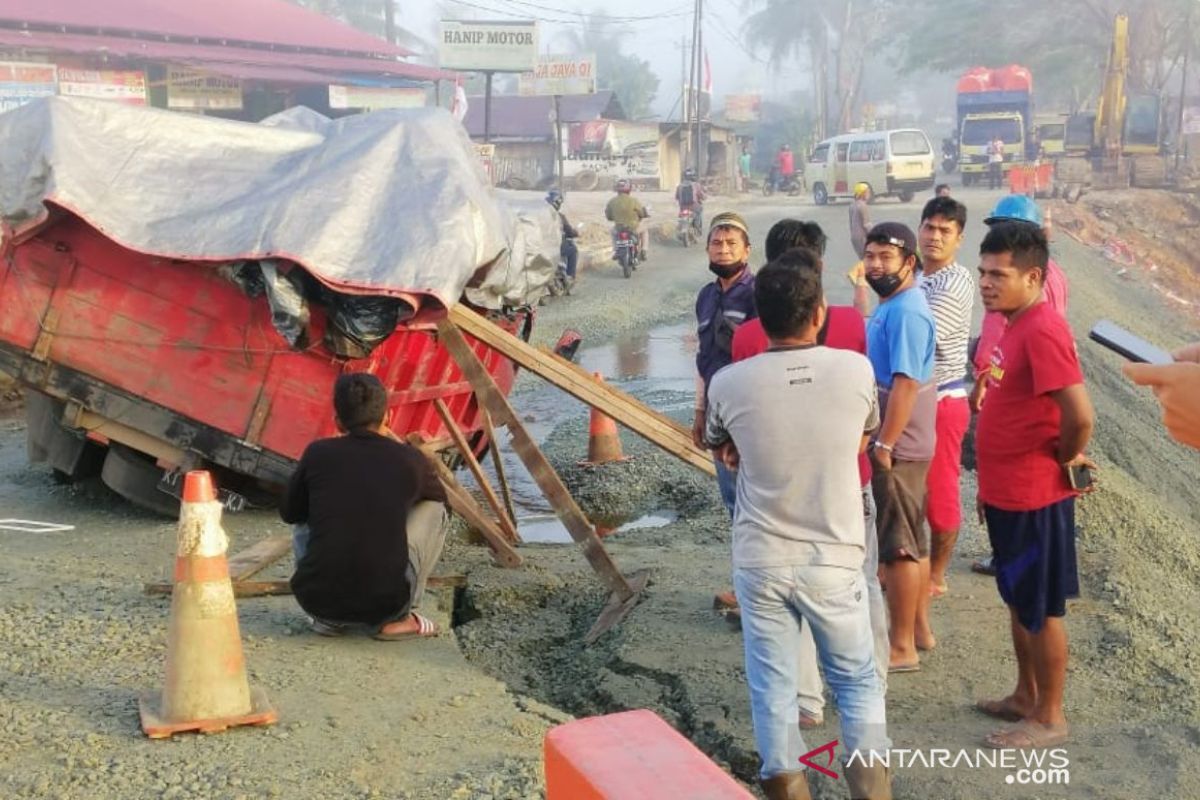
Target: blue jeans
{"points": [[833, 602], [811, 696], [727, 483]]}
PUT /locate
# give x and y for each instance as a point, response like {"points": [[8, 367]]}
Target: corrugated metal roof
{"points": [[276, 22], [200, 54], [515, 116]]}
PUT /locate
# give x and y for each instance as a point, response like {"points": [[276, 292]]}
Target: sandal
{"points": [[426, 629], [984, 566]]}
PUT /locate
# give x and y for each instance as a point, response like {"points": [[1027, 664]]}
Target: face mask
{"points": [[726, 272], [886, 285]]}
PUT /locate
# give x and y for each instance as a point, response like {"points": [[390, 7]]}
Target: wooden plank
{"points": [[491, 398], [464, 505], [259, 556], [498, 463], [657, 428], [464, 447], [283, 587]]}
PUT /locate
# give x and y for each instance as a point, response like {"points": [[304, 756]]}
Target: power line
{"points": [[734, 40], [558, 21]]}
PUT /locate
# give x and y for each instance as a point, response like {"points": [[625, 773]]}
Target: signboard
{"points": [[600, 152], [743, 107], [689, 100], [122, 86], [22, 81], [192, 89], [375, 97], [1191, 120], [486, 153], [488, 46], [560, 75]]}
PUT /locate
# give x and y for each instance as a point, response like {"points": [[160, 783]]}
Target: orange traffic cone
{"points": [[604, 443], [206, 688]]}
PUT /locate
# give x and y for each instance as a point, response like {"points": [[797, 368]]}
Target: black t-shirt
{"points": [[355, 492]]}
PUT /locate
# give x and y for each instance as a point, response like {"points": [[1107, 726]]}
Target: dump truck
{"points": [[197, 323], [994, 103]]}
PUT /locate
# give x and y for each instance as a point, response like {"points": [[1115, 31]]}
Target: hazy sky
{"points": [[656, 40]]}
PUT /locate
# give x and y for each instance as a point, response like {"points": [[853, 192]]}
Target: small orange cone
{"points": [[604, 443], [206, 688]]}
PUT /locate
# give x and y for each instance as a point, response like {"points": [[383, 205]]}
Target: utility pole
{"points": [[389, 20], [684, 113], [693, 93], [1183, 83], [699, 83]]}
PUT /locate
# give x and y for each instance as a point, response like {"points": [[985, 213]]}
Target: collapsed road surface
{"points": [[79, 641]]}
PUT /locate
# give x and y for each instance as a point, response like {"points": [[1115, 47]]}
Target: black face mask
{"points": [[726, 272], [886, 285]]}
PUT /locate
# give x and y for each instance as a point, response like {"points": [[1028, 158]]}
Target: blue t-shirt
{"points": [[901, 340]]}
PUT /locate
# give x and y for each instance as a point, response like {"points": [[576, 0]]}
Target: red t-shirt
{"points": [[1016, 438], [844, 330]]}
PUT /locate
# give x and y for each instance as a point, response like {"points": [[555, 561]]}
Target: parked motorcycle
{"points": [[627, 250], [687, 231]]}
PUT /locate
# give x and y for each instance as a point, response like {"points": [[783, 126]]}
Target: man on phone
{"points": [[1030, 442]]}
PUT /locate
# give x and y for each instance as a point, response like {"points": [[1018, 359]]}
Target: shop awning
{"points": [[200, 54]]}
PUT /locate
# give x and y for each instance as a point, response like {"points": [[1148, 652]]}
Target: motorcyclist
{"points": [[786, 166], [627, 213], [568, 250], [691, 196]]}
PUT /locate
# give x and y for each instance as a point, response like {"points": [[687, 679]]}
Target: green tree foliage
{"points": [[1064, 43], [628, 76]]}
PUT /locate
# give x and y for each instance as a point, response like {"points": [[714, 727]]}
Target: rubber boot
{"points": [[786, 786], [869, 782]]}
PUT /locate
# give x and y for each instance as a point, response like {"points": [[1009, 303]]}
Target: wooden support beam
{"points": [[465, 506], [464, 447], [281, 587], [259, 556], [491, 398], [498, 463], [655, 427]]}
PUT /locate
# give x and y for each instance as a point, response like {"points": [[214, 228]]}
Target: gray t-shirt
{"points": [[797, 417]]}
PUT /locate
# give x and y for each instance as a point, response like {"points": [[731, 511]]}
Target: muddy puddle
{"points": [[667, 353]]}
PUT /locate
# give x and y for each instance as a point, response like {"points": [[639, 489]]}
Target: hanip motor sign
{"points": [[488, 46]]}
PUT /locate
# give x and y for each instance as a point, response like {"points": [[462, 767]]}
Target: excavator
{"points": [[1121, 143]]}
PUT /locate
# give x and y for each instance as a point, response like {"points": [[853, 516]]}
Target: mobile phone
{"points": [[1080, 477], [1124, 343]]}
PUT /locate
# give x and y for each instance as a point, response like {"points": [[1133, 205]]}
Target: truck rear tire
{"points": [[72, 456], [135, 477], [820, 195], [906, 196]]}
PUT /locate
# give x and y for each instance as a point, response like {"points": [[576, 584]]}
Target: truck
{"points": [[993, 103], [147, 345]]}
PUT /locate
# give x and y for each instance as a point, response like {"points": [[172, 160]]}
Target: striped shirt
{"points": [[950, 293]]}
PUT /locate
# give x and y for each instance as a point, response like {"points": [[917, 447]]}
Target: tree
{"points": [[628, 76], [838, 36], [367, 16], [1065, 44]]}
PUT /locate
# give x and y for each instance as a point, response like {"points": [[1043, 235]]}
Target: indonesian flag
{"points": [[458, 108], [707, 83]]}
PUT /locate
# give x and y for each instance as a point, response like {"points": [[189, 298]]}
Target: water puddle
{"points": [[547, 529]]}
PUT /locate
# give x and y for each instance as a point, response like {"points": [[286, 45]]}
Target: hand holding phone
{"points": [[1122, 342], [1080, 474]]}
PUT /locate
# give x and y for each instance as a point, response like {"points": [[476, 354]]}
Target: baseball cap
{"points": [[729, 219], [894, 233]]}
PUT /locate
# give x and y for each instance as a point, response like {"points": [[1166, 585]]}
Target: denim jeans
{"points": [[833, 602], [727, 483], [811, 696]]}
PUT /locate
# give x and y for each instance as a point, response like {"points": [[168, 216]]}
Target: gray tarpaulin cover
{"points": [[389, 203]]}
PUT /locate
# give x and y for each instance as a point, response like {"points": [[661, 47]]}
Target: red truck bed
{"points": [[175, 351]]}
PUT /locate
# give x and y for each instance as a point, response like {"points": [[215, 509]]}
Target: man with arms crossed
{"points": [[900, 344], [798, 531], [949, 289], [1031, 431]]}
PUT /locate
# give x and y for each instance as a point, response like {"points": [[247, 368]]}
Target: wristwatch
{"points": [[881, 446]]}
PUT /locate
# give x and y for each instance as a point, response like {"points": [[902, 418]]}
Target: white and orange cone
{"points": [[206, 688], [604, 443]]}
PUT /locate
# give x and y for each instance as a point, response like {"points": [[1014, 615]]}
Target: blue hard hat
{"points": [[1015, 208]]}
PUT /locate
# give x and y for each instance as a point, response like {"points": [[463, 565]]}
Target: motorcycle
{"points": [[687, 231], [949, 156], [626, 250], [793, 184]]}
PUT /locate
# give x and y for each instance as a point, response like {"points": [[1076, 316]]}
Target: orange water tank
{"points": [[976, 79]]}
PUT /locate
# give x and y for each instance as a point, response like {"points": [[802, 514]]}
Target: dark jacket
{"points": [[718, 315]]}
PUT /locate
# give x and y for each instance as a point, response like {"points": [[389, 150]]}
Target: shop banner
{"points": [[22, 81], [488, 46], [560, 75], [196, 90], [375, 97], [122, 86]]}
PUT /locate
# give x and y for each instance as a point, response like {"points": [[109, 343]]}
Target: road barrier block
{"points": [[633, 755]]}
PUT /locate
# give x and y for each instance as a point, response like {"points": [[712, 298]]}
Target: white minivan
{"points": [[897, 162]]}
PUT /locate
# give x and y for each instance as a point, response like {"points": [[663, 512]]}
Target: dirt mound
{"points": [[1146, 234]]}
